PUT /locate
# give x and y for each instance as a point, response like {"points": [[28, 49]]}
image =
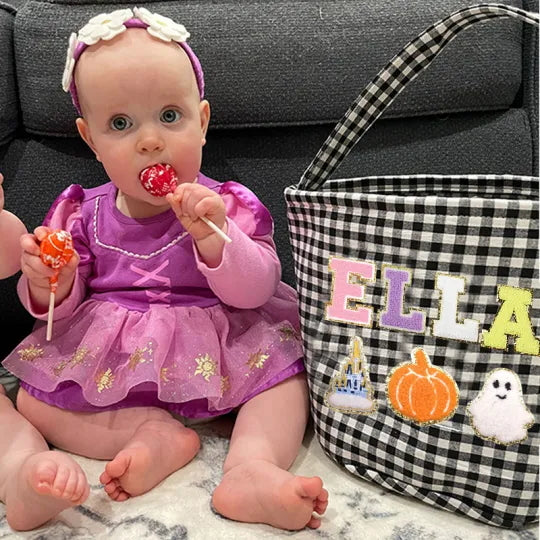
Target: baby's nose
{"points": [[150, 143]]}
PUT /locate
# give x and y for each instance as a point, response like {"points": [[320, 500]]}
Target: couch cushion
{"points": [[285, 61], [9, 110], [530, 78]]}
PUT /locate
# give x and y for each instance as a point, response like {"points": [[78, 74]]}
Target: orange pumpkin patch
{"points": [[421, 392]]}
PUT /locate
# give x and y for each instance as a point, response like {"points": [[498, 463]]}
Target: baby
{"points": [[35, 483], [156, 314]]}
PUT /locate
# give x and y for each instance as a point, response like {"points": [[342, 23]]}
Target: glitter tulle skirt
{"points": [[193, 361]]}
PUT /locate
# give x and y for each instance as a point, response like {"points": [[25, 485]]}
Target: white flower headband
{"points": [[109, 25]]}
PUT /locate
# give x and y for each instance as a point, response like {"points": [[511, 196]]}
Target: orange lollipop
{"points": [[55, 251]]}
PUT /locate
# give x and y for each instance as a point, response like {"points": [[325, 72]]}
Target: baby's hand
{"points": [[11, 229], [190, 202], [37, 272]]}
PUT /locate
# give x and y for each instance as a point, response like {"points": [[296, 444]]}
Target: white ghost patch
{"points": [[498, 413]]}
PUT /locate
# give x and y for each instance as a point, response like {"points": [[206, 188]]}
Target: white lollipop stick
{"points": [[216, 229], [50, 316], [55, 251]]}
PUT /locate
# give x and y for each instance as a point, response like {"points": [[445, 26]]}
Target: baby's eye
{"points": [[120, 123], [170, 116], [508, 386], [496, 383]]}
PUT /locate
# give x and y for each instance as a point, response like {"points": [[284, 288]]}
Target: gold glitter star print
{"points": [[206, 366], [138, 356], [30, 354], [78, 357], [288, 333], [257, 360], [225, 384], [104, 380]]}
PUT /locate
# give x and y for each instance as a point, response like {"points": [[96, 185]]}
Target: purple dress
{"points": [[147, 323]]}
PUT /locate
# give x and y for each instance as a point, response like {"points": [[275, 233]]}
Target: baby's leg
{"points": [[256, 485], [144, 444], [35, 483]]}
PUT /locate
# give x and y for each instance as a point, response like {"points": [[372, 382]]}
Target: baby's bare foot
{"points": [[260, 492], [45, 484], [157, 449]]}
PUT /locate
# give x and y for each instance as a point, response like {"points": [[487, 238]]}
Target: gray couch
{"points": [[279, 74]]}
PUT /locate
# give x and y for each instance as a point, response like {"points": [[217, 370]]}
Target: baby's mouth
{"points": [[501, 397]]}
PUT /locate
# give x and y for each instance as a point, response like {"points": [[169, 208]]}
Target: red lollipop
{"points": [[161, 179], [55, 251]]}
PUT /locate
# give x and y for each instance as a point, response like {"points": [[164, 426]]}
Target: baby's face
{"points": [[141, 106]]}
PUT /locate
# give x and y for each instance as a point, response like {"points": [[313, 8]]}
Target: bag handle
{"points": [[415, 57]]}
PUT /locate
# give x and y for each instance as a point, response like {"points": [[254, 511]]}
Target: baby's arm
{"points": [[33, 287], [246, 272], [249, 271], [11, 229]]}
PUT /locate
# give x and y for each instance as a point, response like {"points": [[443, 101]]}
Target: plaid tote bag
{"points": [[419, 313]]}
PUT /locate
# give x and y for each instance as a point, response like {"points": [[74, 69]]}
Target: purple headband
{"points": [[134, 23]]}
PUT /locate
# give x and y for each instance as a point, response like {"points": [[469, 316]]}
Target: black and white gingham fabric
{"points": [[480, 227]]}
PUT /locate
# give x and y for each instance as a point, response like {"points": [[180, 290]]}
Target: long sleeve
{"points": [[249, 272], [62, 310], [64, 214]]}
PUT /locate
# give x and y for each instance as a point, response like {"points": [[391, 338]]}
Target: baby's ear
{"points": [[204, 111], [84, 132]]}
